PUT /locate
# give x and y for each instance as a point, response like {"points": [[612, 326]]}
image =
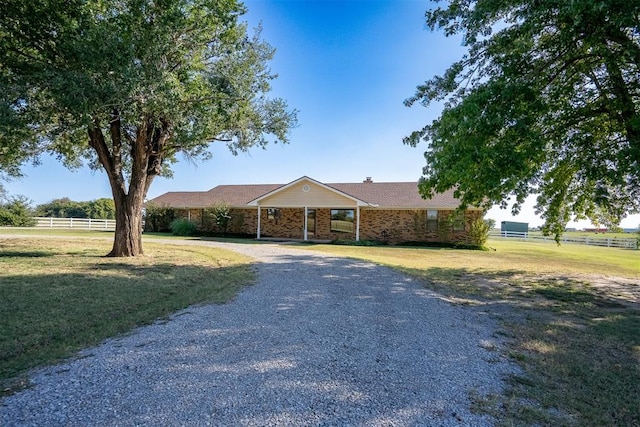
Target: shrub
{"points": [[479, 232], [222, 216], [182, 227], [158, 219], [16, 212]]}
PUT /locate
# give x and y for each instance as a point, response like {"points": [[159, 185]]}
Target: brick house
{"points": [[307, 209]]}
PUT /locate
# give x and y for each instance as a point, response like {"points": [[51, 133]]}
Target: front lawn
{"points": [[59, 295]]}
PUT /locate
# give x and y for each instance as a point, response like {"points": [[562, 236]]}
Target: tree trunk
{"points": [[128, 236], [146, 151]]}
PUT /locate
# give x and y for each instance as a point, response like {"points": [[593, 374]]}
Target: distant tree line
{"points": [[67, 208], [17, 211]]}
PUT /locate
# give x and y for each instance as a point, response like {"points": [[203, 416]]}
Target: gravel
{"points": [[318, 340]]}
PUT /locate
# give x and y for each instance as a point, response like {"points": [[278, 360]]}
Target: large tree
{"points": [[546, 101], [126, 85]]}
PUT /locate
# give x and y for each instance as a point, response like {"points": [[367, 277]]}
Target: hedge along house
{"points": [[306, 209]]}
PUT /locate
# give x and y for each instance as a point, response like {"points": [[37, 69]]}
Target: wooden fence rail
{"points": [[610, 242], [79, 223]]}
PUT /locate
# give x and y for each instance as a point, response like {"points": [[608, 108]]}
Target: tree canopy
{"points": [[546, 101], [67, 208], [127, 85]]}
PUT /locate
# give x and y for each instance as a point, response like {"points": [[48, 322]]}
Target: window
{"points": [[432, 221], [342, 220], [458, 222], [273, 213]]}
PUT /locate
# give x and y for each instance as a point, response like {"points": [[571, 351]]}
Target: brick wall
{"points": [[289, 224], [394, 226]]}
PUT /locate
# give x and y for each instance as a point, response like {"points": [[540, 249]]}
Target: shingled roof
{"points": [[398, 195]]}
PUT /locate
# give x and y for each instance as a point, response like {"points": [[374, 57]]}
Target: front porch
{"points": [[307, 209], [308, 223]]}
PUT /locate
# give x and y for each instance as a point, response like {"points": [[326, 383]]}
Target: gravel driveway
{"points": [[318, 340]]}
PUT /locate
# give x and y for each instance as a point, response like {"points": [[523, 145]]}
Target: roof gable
{"points": [[305, 191]]}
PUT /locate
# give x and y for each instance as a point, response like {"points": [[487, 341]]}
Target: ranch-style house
{"points": [[306, 209]]}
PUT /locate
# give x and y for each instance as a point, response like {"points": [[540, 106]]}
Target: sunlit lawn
{"points": [[58, 295], [529, 257]]}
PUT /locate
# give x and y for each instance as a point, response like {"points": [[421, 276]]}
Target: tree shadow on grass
{"points": [[22, 254], [577, 345], [48, 317]]}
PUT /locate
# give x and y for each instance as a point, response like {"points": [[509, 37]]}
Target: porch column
{"points": [[357, 223], [258, 234], [306, 213]]}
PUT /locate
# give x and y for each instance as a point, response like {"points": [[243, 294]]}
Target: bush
{"points": [[16, 212], [479, 232], [158, 219], [183, 227], [222, 216]]}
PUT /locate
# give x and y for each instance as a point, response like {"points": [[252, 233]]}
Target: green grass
{"points": [[61, 295], [66, 232], [578, 344]]}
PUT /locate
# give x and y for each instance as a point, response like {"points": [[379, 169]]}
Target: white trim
{"points": [[357, 223], [258, 232], [306, 224]]}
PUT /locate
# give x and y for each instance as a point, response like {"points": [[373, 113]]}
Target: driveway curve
{"points": [[318, 340]]}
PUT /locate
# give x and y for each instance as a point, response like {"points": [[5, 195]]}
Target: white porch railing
{"points": [[610, 242], [79, 223]]}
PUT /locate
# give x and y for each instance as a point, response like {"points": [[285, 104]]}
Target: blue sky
{"points": [[346, 66]]}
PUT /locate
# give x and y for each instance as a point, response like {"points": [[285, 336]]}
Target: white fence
{"points": [[610, 242], [78, 223]]}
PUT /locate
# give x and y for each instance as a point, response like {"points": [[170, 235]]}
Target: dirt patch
{"points": [[622, 290]]}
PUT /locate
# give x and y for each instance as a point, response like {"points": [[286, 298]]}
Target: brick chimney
{"points": [[368, 180]]}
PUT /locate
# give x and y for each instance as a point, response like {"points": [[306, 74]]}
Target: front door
{"points": [[311, 223]]}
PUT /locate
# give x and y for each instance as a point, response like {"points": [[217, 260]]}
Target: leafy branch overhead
{"points": [[126, 85], [546, 101]]}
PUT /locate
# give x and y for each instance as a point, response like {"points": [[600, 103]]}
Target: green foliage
{"points": [[479, 232], [127, 86], [185, 67], [157, 218], [638, 238], [545, 102], [66, 208], [101, 208], [16, 212], [182, 227], [222, 216]]}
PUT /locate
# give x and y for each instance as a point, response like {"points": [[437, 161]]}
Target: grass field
{"points": [[569, 315], [60, 295]]}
